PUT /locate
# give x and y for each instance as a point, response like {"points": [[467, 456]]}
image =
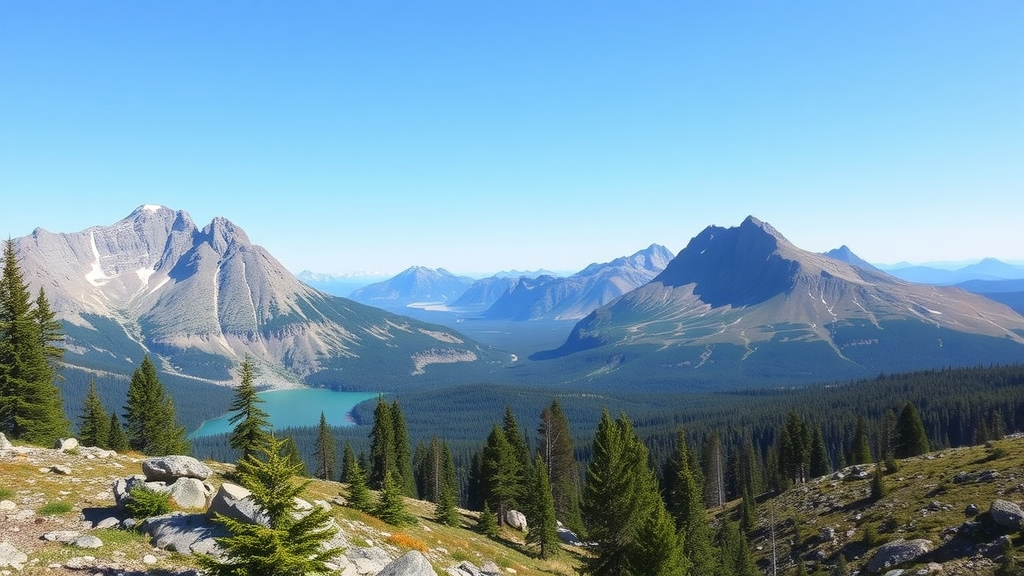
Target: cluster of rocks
{"points": [[180, 477]]}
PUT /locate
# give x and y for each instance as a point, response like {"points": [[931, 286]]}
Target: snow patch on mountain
{"points": [[425, 358]]}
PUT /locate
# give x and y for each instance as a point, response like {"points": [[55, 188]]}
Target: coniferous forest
{"points": [[632, 472]]}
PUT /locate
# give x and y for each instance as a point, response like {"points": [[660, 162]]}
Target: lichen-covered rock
{"points": [[1007, 514], [236, 503], [897, 552], [11, 557], [170, 468], [190, 493]]}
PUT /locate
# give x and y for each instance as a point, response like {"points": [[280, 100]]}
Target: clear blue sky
{"points": [[483, 135]]}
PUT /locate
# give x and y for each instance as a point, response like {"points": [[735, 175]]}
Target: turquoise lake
{"points": [[298, 407]]}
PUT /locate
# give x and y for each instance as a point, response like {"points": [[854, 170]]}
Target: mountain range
{"points": [[200, 300], [745, 303], [572, 298], [740, 305]]}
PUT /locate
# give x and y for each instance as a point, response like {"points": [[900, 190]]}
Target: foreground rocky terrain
{"points": [[949, 512]]}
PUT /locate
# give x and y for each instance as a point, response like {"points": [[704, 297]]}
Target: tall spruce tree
{"points": [[446, 511], [51, 333], [116, 438], [521, 450], [501, 474], [150, 421], [289, 543], [819, 464], [658, 550], [620, 496], [251, 424], [294, 456], [382, 445], [860, 451], [95, 428], [31, 407], [325, 454], [403, 458], [555, 445], [735, 552], [540, 509], [911, 439], [686, 504], [348, 462]]}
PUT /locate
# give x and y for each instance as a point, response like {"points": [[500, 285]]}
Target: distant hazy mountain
{"points": [[1009, 292], [576, 296], [415, 285], [200, 300], [744, 303], [486, 291], [844, 254], [525, 273], [340, 284], [987, 269]]}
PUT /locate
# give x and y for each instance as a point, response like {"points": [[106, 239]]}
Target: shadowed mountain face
{"points": [[745, 302], [203, 299], [572, 298]]}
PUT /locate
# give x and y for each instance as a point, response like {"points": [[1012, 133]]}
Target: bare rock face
{"points": [[5, 444], [11, 556], [170, 468], [897, 552]]}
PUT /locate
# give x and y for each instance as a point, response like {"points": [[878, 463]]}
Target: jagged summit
{"points": [[211, 295], [745, 299]]}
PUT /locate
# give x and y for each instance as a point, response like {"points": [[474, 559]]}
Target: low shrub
{"points": [[55, 509], [144, 503], [405, 541]]}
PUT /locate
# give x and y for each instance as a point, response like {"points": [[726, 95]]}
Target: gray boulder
{"points": [[65, 444], [413, 563], [190, 493], [1007, 514], [490, 568], [897, 552], [516, 519], [464, 569], [11, 557], [184, 533], [170, 468], [88, 541], [5, 444], [236, 503]]}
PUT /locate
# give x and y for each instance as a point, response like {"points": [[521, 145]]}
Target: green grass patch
{"points": [[6, 493], [55, 509]]}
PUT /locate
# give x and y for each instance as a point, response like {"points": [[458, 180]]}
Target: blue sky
{"points": [[487, 135]]}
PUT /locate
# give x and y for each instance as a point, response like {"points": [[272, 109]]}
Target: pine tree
{"points": [[501, 474], [51, 333], [911, 439], [520, 450], [735, 552], [95, 428], [555, 445], [294, 456], [446, 512], [251, 424], [358, 492], [819, 463], [150, 421], [116, 438], [487, 525], [860, 452], [839, 568], [31, 407], [403, 458], [878, 487], [291, 542], [348, 462], [714, 472], [325, 453], [658, 550], [390, 504], [543, 527], [794, 449], [687, 507], [382, 445], [619, 497]]}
